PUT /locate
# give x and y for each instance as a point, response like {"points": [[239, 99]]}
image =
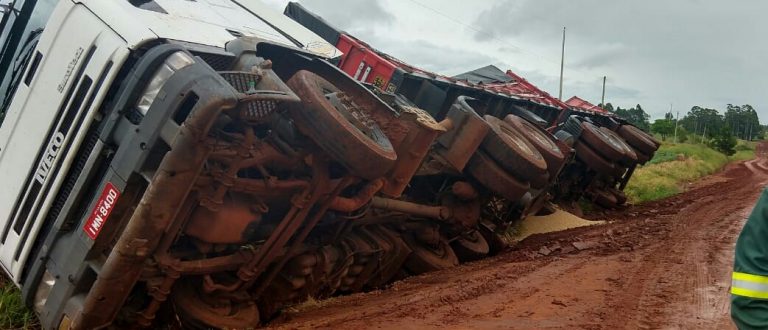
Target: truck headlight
{"points": [[173, 63], [43, 290]]}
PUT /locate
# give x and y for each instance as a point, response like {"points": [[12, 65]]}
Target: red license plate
{"points": [[101, 211]]}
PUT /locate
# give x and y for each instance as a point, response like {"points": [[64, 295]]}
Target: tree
{"points": [[636, 116], [608, 107], [702, 121], [724, 141], [682, 134], [742, 121], [664, 127]]}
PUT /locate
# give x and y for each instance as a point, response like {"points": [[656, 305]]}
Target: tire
{"points": [[196, 313], [368, 155], [529, 116], [618, 171], [638, 139], [573, 126], [621, 198], [494, 178], [495, 243], [594, 160], [470, 247], [642, 158], [514, 153], [566, 137], [606, 145], [541, 140], [604, 199], [630, 157], [425, 258]]}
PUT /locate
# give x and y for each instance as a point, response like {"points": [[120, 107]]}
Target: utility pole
{"points": [[562, 66], [677, 121], [705, 133], [602, 100]]}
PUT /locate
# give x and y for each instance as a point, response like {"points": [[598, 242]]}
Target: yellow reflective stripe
{"points": [[750, 278], [749, 293]]}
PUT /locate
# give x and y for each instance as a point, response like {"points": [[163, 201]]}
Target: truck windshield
{"points": [[20, 31]]}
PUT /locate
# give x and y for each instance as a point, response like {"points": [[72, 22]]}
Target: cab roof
{"points": [[206, 22]]}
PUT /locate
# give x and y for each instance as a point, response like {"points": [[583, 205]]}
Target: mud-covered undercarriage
{"points": [[285, 179]]}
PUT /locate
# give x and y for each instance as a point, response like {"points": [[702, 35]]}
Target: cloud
{"points": [[354, 16], [654, 52], [603, 56], [433, 57], [685, 52]]}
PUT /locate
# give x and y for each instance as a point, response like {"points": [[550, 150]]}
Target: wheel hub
{"points": [[352, 113]]}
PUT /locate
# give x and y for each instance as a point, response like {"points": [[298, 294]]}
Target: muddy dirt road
{"points": [[663, 265]]}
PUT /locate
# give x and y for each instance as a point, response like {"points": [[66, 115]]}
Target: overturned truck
{"points": [[205, 163]]}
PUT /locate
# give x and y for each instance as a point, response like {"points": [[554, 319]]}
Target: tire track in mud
{"points": [[680, 272], [664, 264]]}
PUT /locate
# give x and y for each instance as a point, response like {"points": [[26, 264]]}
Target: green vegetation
{"points": [[707, 126], [745, 150], [13, 313], [739, 120], [676, 165], [636, 115]]}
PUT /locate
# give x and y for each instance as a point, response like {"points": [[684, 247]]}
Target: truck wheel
{"points": [[470, 247], [641, 157], [593, 160], [606, 145], [426, 258], [618, 171], [492, 176], [514, 153], [344, 131], [197, 312], [630, 157], [566, 137], [638, 139], [495, 243], [542, 141], [621, 198], [573, 125], [604, 199]]}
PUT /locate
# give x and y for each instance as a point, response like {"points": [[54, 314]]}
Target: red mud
{"points": [[664, 264]]}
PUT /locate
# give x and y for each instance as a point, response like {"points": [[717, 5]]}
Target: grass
{"points": [[745, 150], [13, 313], [676, 165]]}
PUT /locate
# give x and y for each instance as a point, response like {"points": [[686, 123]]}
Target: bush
{"points": [[724, 142]]}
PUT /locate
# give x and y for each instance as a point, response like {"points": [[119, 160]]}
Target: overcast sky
{"points": [[654, 52]]}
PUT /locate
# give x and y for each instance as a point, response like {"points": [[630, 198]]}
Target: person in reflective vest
{"points": [[749, 286]]}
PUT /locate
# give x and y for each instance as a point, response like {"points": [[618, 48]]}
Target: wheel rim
{"points": [[509, 135], [539, 136], [615, 143], [352, 113], [628, 151]]}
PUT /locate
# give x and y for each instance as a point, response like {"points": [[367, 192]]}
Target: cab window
{"points": [[20, 30]]}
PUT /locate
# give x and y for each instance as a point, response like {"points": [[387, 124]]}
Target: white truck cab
{"points": [[80, 80]]}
